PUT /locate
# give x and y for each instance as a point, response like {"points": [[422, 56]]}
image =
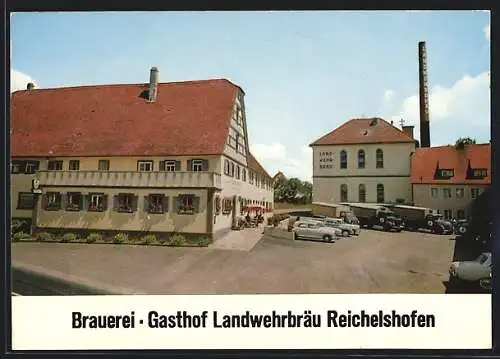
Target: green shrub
{"points": [[148, 239], [19, 236], [202, 241], [44, 236], [68, 237], [177, 240], [16, 225], [94, 237], [120, 238]]}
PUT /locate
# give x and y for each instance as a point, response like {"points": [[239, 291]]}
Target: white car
{"points": [[338, 231], [346, 228], [314, 230], [477, 270]]}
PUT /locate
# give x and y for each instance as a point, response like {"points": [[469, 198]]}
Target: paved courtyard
{"points": [[374, 262]]}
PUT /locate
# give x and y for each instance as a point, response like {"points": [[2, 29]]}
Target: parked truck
{"points": [[417, 218], [371, 215], [332, 210]]}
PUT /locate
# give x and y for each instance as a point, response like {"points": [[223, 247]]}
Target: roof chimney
{"points": [[153, 84], [408, 130], [30, 86]]}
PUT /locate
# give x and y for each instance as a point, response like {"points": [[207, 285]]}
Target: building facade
{"points": [[363, 160], [449, 179], [160, 157]]}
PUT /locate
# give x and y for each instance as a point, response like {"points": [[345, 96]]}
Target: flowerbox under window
{"points": [[125, 209], [99, 208], [53, 207], [73, 207], [186, 210], [156, 209]]}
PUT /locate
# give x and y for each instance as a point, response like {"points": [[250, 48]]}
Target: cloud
{"points": [[18, 80], [275, 157], [464, 106], [388, 96], [487, 32]]}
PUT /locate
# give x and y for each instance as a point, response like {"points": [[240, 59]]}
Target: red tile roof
{"points": [[188, 118], [364, 130], [425, 161], [254, 165]]}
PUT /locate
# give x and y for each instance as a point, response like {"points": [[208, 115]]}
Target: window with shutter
{"points": [[170, 166], [55, 165], [197, 165], [186, 204], [97, 202], [16, 167], [156, 203], [74, 165], [103, 165], [126, 202], [31, 167], [144, 166], [74, 201], [25, 200]]}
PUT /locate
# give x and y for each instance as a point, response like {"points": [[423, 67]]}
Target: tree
{"points": [[292, 190], [462, 141]]}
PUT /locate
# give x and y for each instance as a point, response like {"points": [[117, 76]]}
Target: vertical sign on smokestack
{"points": [[425, 137], [153, 84]]}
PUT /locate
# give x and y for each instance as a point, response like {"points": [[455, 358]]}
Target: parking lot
{"points": [[374, 262]]}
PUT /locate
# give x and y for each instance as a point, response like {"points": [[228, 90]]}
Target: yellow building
{"points": [[363, 160], [156, 157], [449, 179]]}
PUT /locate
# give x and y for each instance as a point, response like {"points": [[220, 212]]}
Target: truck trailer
{"points": [[371, 215], [333, 210], [417, 218]]}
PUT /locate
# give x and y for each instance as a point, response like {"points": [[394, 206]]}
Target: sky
{"points": [[303, 73]]}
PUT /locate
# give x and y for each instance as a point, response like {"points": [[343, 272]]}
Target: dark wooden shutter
{"points": [[162, 165], [196, 204], [45, 201], [165, 203], [146, 201], [138, 165], [206, 165], [135, 203], [116, 202], [190, 165], [177, 165], [177, 202], [64, 200], [104, 202]]}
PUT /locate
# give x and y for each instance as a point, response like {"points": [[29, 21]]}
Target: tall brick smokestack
{"points": [[425, 136]]}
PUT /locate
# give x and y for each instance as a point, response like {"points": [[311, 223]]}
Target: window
{"points": [[475, 192], [237, 141], [434, 192], [170, 166], [55, 165], [444, 173], [459, 192], [343, 159], [343, 193], [145, 166], [15, 167], [251, 176], [75, 201], [244, 175], [156, 203], [197, 165], [238, 172], [361, 159], [448, 214], [125, 203], [25, 200], [187, 204], [380, 193], [446, 192], [97, 202], [52, 201], [477, 173], [103, 165], [74, 165], [461, 214], [31, 167], [379, 158], [227, 167], [227, 206], [231, 172], [362, 193]]}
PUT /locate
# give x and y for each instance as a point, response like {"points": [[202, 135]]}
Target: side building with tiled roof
{"points": [[154, 157], [450, 178], [363, 160]]}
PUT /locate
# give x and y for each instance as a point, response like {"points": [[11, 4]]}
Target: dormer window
{"points": [[444, 173]]}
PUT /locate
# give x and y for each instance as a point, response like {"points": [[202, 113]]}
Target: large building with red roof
{"points": [[363, 160], [450, 178], [156, 157]]}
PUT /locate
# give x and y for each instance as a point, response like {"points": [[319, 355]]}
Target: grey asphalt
{"points": [[374, 262]]}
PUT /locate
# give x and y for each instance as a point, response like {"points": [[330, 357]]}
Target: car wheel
{"points": [[327, 238], [295, 236], [346, 233], [485, 283]]}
